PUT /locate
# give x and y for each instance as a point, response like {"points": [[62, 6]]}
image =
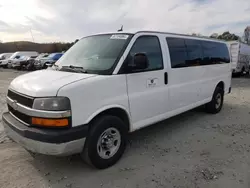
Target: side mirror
{"points": [[140, 61]]}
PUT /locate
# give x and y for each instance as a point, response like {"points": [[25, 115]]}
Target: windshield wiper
{"points": [[72, 68]]}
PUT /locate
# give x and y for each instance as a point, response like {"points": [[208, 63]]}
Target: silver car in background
{"points": [[4, 57]]}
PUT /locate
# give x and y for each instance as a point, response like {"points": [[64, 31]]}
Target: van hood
{"points": [[45, 83]]}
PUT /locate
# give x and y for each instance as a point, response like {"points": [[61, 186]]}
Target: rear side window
{"points": [[215, 53], [191, 52], [178, 52], [149, 45], [194, 51]]}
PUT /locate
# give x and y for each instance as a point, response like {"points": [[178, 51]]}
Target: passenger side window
{"points": [[194, 52], [149, 45], [178, 52], [214, 53]]}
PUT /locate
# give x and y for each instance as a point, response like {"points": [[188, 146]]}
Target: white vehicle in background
{"points": [[106, 86], [14, 58], [18, 63], [240, 57], [4, 56]]}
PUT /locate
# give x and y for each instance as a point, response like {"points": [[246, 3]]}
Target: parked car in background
{"points": [[18, 54], [50, 60], [30, 65], [4, 57], [16, 63], [240, 55], [22, 62]]}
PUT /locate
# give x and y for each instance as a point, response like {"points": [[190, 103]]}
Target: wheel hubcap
{"points": [[108, 143], [218, 100]]}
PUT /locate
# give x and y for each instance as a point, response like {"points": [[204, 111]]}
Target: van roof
{"points": [[161, 32], [25, 51], [6, 53]]}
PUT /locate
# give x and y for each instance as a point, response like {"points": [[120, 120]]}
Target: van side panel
{"points": [[234, 50], [244, 56], [89, 97], [195, 84]]}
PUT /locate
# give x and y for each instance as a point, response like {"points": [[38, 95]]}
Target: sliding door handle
{"points": [[166, 78]]}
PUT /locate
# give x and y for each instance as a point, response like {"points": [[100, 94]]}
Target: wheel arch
{"points": [[118, 111], [221, 84]]}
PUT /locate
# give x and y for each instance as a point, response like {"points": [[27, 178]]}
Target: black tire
{"points": [[242, 71], [45, 66], [213, 107], [90, 152]]}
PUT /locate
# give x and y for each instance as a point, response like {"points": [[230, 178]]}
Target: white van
{"points": [[240, 55], [15, 57], [108, 85]]}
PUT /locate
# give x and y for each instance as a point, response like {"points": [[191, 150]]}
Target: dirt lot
{"points": [[194, 149]]}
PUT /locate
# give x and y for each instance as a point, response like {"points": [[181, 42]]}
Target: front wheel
{"points": [[45, 66], [106, 142], [216, 104]]}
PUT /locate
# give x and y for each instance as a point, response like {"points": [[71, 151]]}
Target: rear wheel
{"points": [[216, 103], [106, 142]]}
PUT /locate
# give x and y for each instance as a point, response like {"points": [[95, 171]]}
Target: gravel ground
{"points": [[194, 149]]}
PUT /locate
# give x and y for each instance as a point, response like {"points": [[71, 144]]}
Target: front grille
{"points": [[21, 99], [19, 115]]}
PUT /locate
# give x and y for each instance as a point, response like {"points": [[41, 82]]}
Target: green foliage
{"points": [[227, 36]]}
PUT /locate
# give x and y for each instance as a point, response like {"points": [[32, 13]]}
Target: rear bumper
{"points": [[60, 142]]}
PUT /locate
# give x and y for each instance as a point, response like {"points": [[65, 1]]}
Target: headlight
{"points": [[52, 104]]}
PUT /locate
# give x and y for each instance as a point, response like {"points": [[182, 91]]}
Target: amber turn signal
{"points": [[50, 122]]}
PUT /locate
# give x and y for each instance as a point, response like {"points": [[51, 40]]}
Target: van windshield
{"points": [[13, 56], [95, 54]]}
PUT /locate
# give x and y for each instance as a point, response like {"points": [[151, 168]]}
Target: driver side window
{"points": [[150, 46]]}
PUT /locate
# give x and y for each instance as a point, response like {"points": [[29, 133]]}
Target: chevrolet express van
{"points": [[109, 85]]}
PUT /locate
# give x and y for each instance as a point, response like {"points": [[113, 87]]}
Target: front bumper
{"points": [[4, 63], [59, 142], [38, 66], [15, 65]]}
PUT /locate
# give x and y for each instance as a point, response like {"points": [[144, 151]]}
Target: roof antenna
{"points": [[120, 29]]}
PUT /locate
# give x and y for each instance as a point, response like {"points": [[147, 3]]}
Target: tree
{"points": [[196, 34], [227, 36], [246, 35]]}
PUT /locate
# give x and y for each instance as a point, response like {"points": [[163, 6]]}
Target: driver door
{"points": [[147, 89]]}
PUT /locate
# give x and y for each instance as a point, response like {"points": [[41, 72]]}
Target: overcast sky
{"points": [[67, 20]]}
